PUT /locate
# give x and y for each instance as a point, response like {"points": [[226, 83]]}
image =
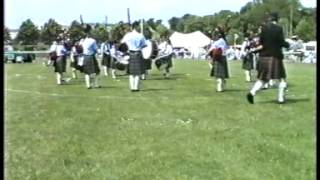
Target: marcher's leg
{"points": [[58, 75], [248, 75], [219, 84], [87, 80], [281, 92], [131, 82]]}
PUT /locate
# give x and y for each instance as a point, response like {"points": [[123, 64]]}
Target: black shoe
{"points": [[250, 98], [90, 87]]}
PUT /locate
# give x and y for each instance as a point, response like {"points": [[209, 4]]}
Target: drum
{"points": [[122, 63], [162, 62], [123, 47], [150, 51]]}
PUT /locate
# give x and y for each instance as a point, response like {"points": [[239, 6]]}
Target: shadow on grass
{"points": [[154, 89], [234, 90], [288, 101]]}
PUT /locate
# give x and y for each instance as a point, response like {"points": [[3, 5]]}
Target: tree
{"points": [[173, 23], [50, 31], [306, 29], [118, 31], [7, 36], [75, 31], [100, 33], [28, 33]]}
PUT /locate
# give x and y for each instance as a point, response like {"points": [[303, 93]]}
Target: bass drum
{"points": [[151, 50], [122, 63]]}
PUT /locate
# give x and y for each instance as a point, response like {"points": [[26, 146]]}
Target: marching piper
{"points": [[135, 41], [270, 59], [90, 64], [219, 61]]}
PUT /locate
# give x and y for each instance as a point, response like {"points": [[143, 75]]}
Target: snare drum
{"points": [[122, 63]]}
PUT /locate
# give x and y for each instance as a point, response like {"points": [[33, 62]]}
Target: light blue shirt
{"points": [[134, 40], [90, 46], [220, 43], [105, 48]]}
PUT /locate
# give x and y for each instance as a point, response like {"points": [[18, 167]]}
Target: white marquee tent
{"points": [[194, 42]]}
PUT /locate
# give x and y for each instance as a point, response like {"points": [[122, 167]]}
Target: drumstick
{"points": [[81, 20]]}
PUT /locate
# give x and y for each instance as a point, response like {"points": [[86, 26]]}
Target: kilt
{"points": [[165, 60], [74, 64], [220, 68], [60, 64], [90, 65], [270, 68], [247, 62], [108, 61], [148, 64], [136, 63]]}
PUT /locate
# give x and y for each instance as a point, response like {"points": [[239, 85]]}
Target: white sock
{"points": [[105, 70], [87, 79], [271, 82], [136, 82], [281, 94], [256, 87], [219, 84], [113, 72], [143, 76], [248, 77], [131, 82], [74, 74], [58, 78]]}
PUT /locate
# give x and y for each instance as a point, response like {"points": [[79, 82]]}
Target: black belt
{"points": [[135, 51]]}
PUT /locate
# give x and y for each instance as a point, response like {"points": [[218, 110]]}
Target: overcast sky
{"points": [[65, 11]]}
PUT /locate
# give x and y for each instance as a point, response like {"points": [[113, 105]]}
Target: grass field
{"points": [[174, 129]]}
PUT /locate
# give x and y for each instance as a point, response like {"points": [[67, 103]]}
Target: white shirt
{"points": [[53, 47], [61, 50], [105, 48], [165, 48], [134, 40], [220, 43], [89, 45]]}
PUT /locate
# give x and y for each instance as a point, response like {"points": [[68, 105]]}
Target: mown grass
{"points": [[178, 128]]}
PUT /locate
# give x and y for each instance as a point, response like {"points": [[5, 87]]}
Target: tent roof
{"points": [[189, 40]]}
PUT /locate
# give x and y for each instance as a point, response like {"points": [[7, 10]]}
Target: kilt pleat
{"points": [[108, 61], [220, 68], [90, 65], [247, 62], [60, 64], [270, 68], [136, 63]]}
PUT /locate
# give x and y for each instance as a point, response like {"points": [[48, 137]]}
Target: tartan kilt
{"points": [[90, 65], [220, 68], [108, 61], [148, 64], [247, 62], [60, 64], [74, 64], [270, 68], [136, 63]]}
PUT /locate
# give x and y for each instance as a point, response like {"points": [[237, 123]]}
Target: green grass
{"points": [[175, 129]]}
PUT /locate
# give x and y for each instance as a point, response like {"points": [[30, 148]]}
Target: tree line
{"points": [[294, 18]]}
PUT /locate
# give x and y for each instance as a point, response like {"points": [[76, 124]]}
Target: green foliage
{"points": [[6, 33], [100, 33], [76, 31], [306, 29], [118, 31], [50, 31], [28, 33]]}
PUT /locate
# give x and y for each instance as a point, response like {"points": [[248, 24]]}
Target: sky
{"points": [[92, 11]]}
